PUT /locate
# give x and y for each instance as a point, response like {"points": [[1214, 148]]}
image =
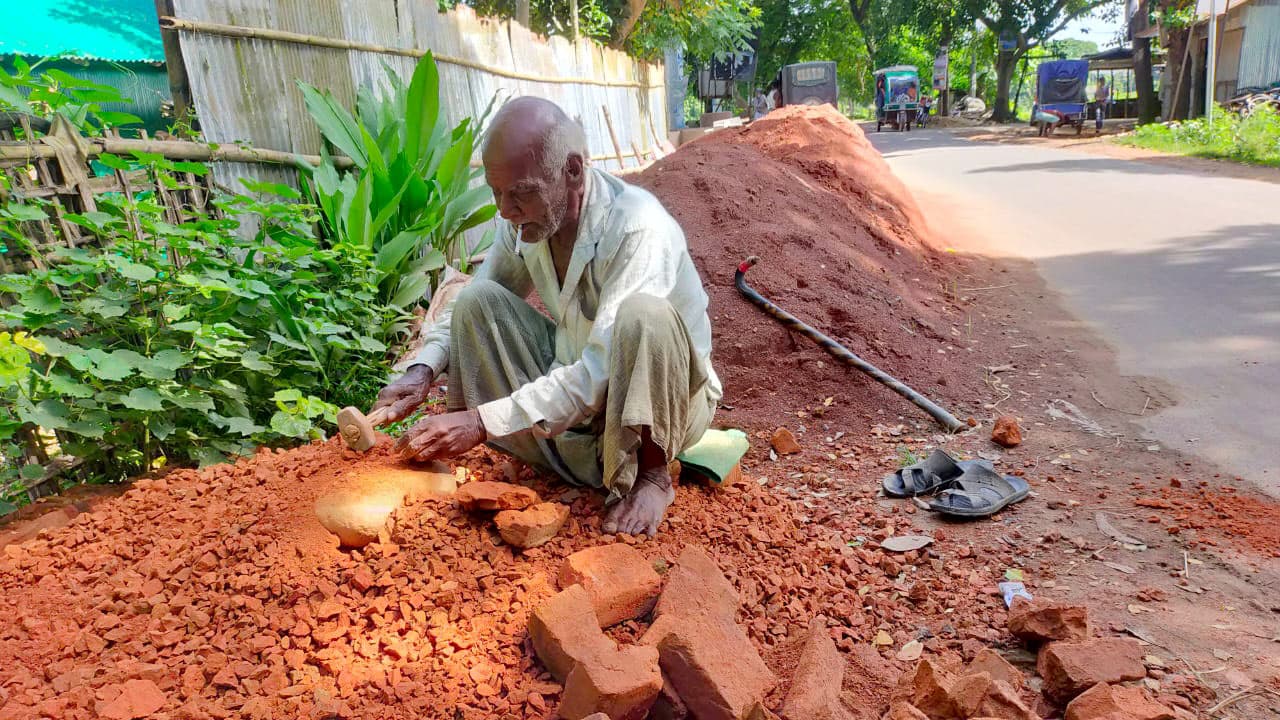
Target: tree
{"points": [[793, 31], [1025, 24], [1139, 21]]}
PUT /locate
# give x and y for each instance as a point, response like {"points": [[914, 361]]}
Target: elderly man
{"points": [[618, 380]]}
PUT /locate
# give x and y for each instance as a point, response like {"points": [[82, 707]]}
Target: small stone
{"points": [[1113, 702], [532, 526], [488, 495], [1006, 432], [784, 442], [1069, 669], [1038, 621], [362, 579], [622, 583]]}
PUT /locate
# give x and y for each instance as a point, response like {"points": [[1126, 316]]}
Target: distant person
{"points": [[1101, 98], [879, 97], [759, 105], [775, 95]]}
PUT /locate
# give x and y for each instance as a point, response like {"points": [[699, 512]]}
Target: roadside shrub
{"points": [[1254, 139], [189, 343]]}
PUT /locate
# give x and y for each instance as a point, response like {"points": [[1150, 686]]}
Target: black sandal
{"points": [[938, 471], [980, 492]]}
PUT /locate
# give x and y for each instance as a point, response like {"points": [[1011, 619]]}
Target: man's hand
{"points": [[442, 436], [403, 396]]}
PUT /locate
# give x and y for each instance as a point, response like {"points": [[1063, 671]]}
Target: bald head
{"points": [[535, 159], [533, 128]]}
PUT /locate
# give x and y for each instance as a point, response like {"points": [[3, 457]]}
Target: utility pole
{"points": [[1211, 63]]}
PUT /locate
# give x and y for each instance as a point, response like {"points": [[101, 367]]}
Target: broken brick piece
{"points": [[564, 630], [622, 684], [696, 584], [137, 699], [1006, 432], [991, 662], [532, 526], [1038, 621], [930, 684], [621, 582], [1115, 702], [361, 579], [979, 695], [489, 495], [784, 442], [712, 665], [819, 676], [1069, 669], [905, 711]]}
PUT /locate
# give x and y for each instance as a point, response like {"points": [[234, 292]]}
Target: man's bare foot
{"points": [[642, 510]]}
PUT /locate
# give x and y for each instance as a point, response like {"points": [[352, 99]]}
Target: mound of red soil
{"points": [[842, 246]]}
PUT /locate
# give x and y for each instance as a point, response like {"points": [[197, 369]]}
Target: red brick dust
{"points": [[842, 246], [220, 587], [1250, 520]]}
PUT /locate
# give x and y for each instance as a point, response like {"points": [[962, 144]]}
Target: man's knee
{"points": [[479, 293], [643, 313]]}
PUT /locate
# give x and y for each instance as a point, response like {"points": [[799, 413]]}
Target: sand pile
{"points": [[842, 246], [217, 594]]}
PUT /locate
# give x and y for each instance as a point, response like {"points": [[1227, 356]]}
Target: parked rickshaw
{"points": [[1061, 99], [901, 96]]}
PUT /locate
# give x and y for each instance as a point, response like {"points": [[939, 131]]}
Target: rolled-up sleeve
{"points": [[503, 265], [642, 263]]}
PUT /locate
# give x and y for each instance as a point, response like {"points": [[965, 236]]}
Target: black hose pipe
{"points": [[946, 419]]}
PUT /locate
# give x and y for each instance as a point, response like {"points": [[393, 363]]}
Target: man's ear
{"points": [[574, 169]]}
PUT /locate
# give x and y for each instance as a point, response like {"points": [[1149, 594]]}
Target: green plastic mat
{"points": [[716, 454]]}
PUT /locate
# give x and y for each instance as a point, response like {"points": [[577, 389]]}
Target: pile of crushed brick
{"points": [[217, 593]]}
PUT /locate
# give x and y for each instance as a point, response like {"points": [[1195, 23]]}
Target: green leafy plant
{"points": [[412, 193], [1254, 139], [163, 343], [44, 93], [906, 457]]}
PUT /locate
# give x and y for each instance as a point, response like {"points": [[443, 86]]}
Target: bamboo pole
{"points": [[617, 149], [172, 149], [638, 153], [236, 31]]}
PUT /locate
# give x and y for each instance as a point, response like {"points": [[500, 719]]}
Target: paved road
{"points": [[1178, 270]]}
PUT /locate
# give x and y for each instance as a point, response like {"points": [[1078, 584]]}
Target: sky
{"points": [[1106, 33]]}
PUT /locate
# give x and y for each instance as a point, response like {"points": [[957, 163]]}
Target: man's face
{"points": [[525, 195]]}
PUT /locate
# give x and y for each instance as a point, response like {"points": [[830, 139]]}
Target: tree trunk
{"points": [[634, 9], [1006, 62], [522, 12], [1178, 72], [1139, 22]]}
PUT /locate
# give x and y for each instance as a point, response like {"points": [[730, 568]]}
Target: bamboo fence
{"points": [[243, 59]]}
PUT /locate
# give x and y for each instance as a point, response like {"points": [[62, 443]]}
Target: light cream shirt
{"points": [[627, 244]]}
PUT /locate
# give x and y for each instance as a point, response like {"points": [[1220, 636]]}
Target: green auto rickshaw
{"points": [[897, 96]]}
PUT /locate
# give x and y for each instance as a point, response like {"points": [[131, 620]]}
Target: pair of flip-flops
{"points": [[964, 488]]}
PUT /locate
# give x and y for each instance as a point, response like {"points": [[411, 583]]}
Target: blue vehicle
{"points": [[1061, 87]]}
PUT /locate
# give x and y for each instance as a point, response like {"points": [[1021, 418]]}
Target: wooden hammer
{"points": [[357, 429]]}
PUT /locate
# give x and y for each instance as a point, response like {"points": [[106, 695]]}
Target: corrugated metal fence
{"points": [[1260, 49], [243, 58]]}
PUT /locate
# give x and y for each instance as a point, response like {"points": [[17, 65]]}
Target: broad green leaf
{"points": [[478, 199], [207, 456], [372, 345], [143, 399], [395, 251], [88, 428], [410, 290], [171, 359], [289, 426], [113, 117], [32, 471], [62, 385], [115, 162], [191, 400], [12, 98], [7, 507], [173, 312], [58, 348], [108, 366], [49, 414], [254, 361], [131, 269], [359, 222], [237, 424], [103, 307], [287, 395], [422, 106], [40, 300], [25, 213], [161, 426], [336, 124]]}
